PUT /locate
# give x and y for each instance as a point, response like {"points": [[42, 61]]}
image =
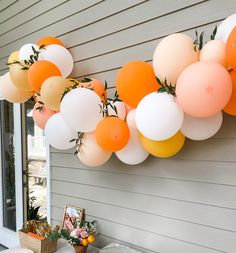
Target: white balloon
{"points": [[133, 153], [130, 119], [121, 109], [225, 28], [81, 109], [59, 56], [158, 116], [201, 128], [26, 51], [91, 153], [58, 134]]}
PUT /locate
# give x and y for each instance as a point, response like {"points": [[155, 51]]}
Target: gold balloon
{"points": [[9, 91], [52, 91], [14, 56], [164, 148], [19, 77]]}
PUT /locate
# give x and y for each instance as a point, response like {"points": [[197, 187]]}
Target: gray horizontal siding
{"points": [[179, 205]]}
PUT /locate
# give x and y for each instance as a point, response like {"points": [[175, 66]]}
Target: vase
{"points": [[80, 249]]}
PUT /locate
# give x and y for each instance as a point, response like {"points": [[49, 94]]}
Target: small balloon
{"points": [[48, 40], [58, 134], [119, 109], [166, 148], [112, 134], [14, 56], [90, 153], [133, 153], [130, 119], [201, 128], [96, 86], [81, 109]]}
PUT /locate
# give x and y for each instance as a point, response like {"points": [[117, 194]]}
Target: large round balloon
{"points": [[134, 81], [91, 153], [133, 153], [172, 55], [231, 49], [230, 108], [120, 110], [112, 134], [59, 56], [40, 71], [14, 56], [81, 109], [48, 40], [9, 91], [52, 91], [19, 77], [203, 89], [214, 50], [201, 128], [41, 114], [225, 28], [166, 148], [27, 50], [58, 134], [158, 116]]}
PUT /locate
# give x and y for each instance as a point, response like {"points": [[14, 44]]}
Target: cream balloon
{"points": [[130, 119], [158, 116], [19, 77], [133, 153], [59, 56], [172, 55], [14, 56], [214, 50], [81, 109], [58, 134], [201, 128], [225, 28], [27, 50], [121, 109], [9, 91], [90, 152], [52, 91]]}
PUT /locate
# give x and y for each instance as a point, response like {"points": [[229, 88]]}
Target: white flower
{"points": [[74, 234]]}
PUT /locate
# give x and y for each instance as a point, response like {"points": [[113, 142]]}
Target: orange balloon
{"points": [[231, 49], [40, 71], [134, 81], [96, 86], [230, 108], [48, 40], [112, 134]]}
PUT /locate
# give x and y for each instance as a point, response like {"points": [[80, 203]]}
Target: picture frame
{"points": [[72, 217]]}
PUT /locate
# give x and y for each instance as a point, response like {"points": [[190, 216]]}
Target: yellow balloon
{"points": [[13, 57], [52, 91], [19, 77], [164, 148]]}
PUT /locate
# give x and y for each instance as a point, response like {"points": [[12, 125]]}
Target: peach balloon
{"points": [[97, 86], [14, 56], [231, 49], [134, 81], [203, 89], [48, 40], [40, 71], [172, 55], [41, 114], [52, 91], [230, 108], [9, 91], [19, 77], [128, 108], [91, 153], [215, 51]]}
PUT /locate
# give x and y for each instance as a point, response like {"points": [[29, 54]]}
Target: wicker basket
{"points": [[38, 246]]}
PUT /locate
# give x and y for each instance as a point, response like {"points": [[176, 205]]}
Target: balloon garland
{"points": [[154, 108]]}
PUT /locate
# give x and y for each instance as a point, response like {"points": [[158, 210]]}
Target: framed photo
{"points": [[72, 217]]}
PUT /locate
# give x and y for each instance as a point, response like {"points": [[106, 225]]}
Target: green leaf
{"points": [[34, 50], [213, 33]]}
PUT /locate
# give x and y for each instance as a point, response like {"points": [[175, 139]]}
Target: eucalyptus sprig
{"points": [[78, 142], [165, 87], [40, 108], [199, 41], [213, 34]]}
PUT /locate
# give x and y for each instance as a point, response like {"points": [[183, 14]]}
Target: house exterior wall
{"points": [[186, 204]]}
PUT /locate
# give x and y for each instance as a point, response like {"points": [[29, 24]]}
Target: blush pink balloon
{"points": [[41, 116], [128, 108], [203, 89]]}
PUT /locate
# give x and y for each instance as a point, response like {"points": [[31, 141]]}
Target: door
{"points": [[11, 192]]}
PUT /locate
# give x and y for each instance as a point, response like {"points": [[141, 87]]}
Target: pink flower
{"points": [[84, 234]]}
